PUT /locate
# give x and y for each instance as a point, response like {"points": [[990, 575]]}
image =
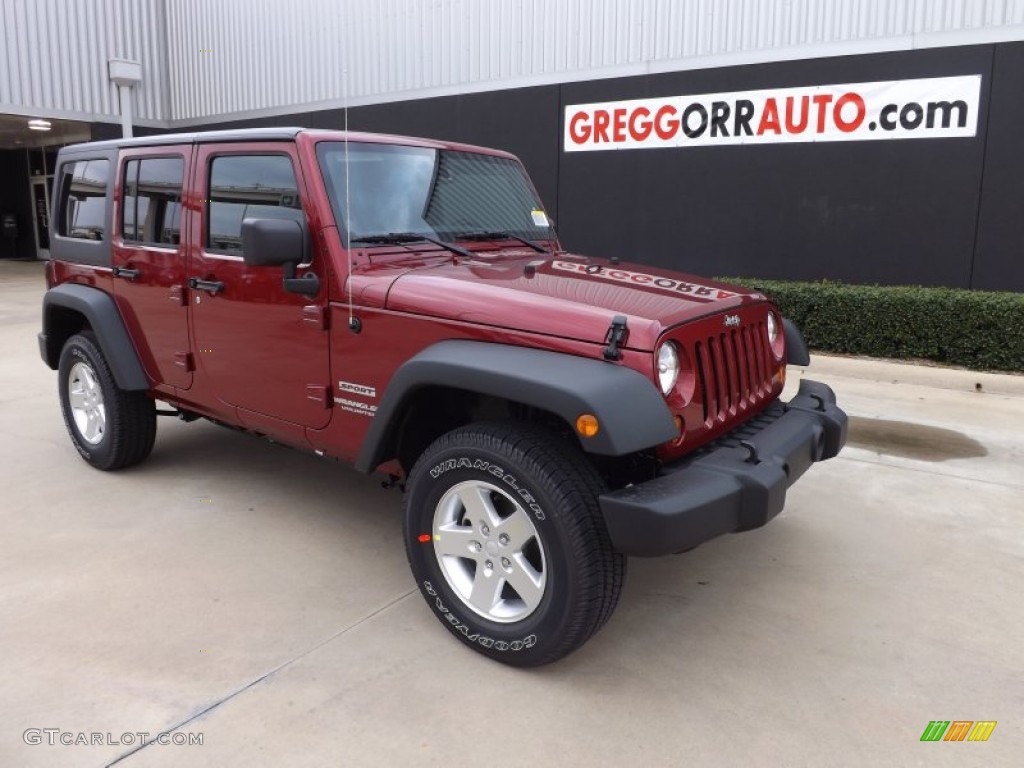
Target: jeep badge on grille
{"points": [[732, 321]]}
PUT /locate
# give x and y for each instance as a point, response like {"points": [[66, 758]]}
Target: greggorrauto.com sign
{"points": [[938, 107]]}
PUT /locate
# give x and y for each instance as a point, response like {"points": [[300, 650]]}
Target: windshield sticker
{"points": [[539, 218], [642, 279]]}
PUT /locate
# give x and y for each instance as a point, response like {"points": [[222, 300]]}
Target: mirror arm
{"points": [[308, 284]]}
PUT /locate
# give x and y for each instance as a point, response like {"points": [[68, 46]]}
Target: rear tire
{"points": [[507, 542], [111, 428]]}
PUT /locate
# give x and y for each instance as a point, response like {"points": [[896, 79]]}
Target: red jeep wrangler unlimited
{"points": [[405, 305]]}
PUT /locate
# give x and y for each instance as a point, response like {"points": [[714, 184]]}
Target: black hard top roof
{"points": [[239, 134], [269, 134]]}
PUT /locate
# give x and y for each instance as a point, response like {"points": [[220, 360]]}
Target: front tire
{"points": [[111, 428], [507, 543]]}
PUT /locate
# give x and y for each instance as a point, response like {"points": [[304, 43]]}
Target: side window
{"points": [[151, 209], [248, 186], [83, 204]]}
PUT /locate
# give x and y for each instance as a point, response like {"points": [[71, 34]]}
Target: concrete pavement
{"points": [[260, 597]]}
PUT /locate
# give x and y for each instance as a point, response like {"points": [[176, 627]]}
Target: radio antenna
{"points": [[353, 324]]}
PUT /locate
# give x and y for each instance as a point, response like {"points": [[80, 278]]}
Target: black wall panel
{"points": [[901, 211], [999, 257]]}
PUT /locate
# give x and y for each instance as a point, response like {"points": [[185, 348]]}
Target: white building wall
{"points": [[54, 53], [205, 60], [268, 56]]}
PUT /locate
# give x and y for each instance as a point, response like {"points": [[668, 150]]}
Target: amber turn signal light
{"points": [[586, 425]]}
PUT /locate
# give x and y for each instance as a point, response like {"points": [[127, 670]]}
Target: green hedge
{"points": [[974, 329]]}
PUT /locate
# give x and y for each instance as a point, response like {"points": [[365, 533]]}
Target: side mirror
{"points": [[273, 242], [279, 243]]}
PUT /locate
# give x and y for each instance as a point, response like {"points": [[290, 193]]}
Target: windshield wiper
{"points": [[501, 235], [401, 238]]}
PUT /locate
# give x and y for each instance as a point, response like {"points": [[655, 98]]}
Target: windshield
{"points": [[441, 193]]}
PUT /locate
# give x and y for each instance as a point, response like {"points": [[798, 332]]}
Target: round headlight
{"points": [[668, 367], [773, 328]]}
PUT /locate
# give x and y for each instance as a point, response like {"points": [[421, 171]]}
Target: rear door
{"points": [[258, 347], [149, 258]]}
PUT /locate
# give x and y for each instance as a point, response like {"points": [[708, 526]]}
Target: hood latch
{"points": [[615, 338]]}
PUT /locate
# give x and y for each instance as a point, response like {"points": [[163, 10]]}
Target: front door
{"points": [[41, 215], [255, 345]]}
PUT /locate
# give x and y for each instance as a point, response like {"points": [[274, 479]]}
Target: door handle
{"points": [[127, 274], [213, 286]]}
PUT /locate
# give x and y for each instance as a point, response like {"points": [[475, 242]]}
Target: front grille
{"points": [[734, 371]]}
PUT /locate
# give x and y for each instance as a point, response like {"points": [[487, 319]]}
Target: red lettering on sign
{"points": [[639, 131], [791, 126], [579, 133], [822, 100], [641, 278], [601, 120], [619, 125], [665, 130], [846, 126], [769, 118]]}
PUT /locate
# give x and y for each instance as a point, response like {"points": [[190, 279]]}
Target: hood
{"points": [[562, 295]]}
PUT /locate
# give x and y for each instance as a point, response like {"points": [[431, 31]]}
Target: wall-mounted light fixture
{"points": [[39, 125]]}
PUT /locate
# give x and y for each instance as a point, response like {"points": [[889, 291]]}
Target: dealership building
{"points": [[868, 141]]}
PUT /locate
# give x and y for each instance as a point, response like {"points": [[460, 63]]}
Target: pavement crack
{"points": [[261, 678]]}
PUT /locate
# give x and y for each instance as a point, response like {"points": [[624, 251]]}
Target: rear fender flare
{"points": [[100, 312]]}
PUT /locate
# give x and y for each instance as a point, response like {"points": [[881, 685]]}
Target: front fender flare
{"points": [[100, 311], [796, 347], [631, 412]]}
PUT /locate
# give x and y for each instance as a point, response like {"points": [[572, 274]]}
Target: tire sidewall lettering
{"points": [[482, 465], [475, 637], [470, 629]]}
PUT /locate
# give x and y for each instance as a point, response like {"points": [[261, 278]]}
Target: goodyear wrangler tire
{"points": [[507, 543], [111, 428]]}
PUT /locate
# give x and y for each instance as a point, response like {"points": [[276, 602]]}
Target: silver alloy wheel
{"points": [[489, 551], [85, 397]]}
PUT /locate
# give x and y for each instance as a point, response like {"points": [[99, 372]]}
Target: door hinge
{"points": [[316, 316], [319, 393], [185, 360]]}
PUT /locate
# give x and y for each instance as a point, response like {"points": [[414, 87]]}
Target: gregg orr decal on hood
{"points": [[938, 107], [644, 280]]}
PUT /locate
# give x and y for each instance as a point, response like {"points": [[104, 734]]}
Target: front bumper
{"points": [[737, 483]]}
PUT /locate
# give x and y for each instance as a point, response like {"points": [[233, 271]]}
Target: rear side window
{"points": [[248, 186], [151, 210], [83, 199]]}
